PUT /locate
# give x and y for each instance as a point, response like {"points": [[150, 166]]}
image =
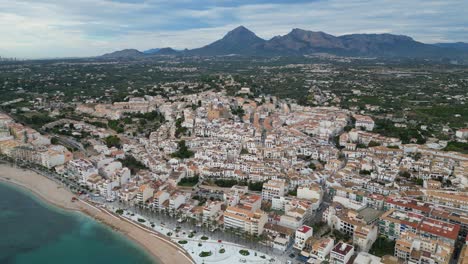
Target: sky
{"points": [[79, 28]]}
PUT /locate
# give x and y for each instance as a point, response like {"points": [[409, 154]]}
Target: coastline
{"points": [[161, 249]]}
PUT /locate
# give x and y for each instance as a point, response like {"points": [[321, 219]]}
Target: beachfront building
{"points": [[244, 220], [211, 211], [145, 192], [82, 169], [160, 198]]}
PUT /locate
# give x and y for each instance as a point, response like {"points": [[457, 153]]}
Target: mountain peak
{"points": [[240, 32]]}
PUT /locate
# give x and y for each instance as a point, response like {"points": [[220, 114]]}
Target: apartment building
{"points": [[273, 188], [416, 249], [393, 223], [245, 220], [341, 253], [321, 249], [302, 234], [211, 211]]}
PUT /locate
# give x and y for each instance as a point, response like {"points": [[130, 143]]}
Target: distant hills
{"points": [[242, 41]]}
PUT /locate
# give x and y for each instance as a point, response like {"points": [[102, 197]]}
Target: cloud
{"points": [[56, 28]]}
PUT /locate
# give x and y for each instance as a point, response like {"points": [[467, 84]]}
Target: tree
{"points": [[54, 141], [182, 151], [112, 141]]}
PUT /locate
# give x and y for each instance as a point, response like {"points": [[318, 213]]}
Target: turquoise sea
{"points": [[32, 232]]}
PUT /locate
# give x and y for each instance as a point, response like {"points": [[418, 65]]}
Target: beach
{"points": [[158, 246]]}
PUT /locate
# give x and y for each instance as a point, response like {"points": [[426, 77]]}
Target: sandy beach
{"points": [[163, 250]]}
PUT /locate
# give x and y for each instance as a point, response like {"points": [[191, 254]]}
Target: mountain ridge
{"points": [[242, 41]]}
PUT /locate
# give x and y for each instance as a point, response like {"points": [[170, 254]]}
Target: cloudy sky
{"points": [[62, 28]]}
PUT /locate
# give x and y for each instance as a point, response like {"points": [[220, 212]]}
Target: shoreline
{"points": [[161, 249]]}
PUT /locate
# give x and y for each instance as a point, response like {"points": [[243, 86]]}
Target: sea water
{"points": [[33, 232]]}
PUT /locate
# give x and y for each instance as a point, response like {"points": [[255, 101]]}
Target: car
{"points": [[220, 241], [292, 255]]}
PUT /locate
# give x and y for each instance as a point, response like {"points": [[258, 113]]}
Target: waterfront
{"points": [[34, 232], [54, 193]]}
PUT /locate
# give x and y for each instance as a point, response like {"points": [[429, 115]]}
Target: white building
{"points": [[321, 249], [81, 169], [311, 193], [273, 188], [302, 234], [365, 122], [159, 199], [341, 253], [245, 220], [211, 211]]}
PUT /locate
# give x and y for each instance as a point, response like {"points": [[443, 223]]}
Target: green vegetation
{"points": [[116, 126], [119, 211], [244, 252], [239, 111], [387, 128], [222, 251], [133, 164], [226, 183], [141, 220], [204, 238], [457, 147], [112, 141], [182, 242], [182, 151], [255, 186], [54, 141], [340, 236], [188, 181], [382, 246], [205, 254], [293, 192], [180, 130]]}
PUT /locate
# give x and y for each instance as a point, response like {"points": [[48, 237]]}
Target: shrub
{"points": [[204, 238], [244, 252], [119, 211], [221, 251], [205, 254], [141, 220], [182, 242]]}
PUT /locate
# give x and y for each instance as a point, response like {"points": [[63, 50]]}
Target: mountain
{"points": [[123, 54], [388, 45], [166, 51], [151, 51], [462, 46], [300, 41], [242, 41], [238, 41]]}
